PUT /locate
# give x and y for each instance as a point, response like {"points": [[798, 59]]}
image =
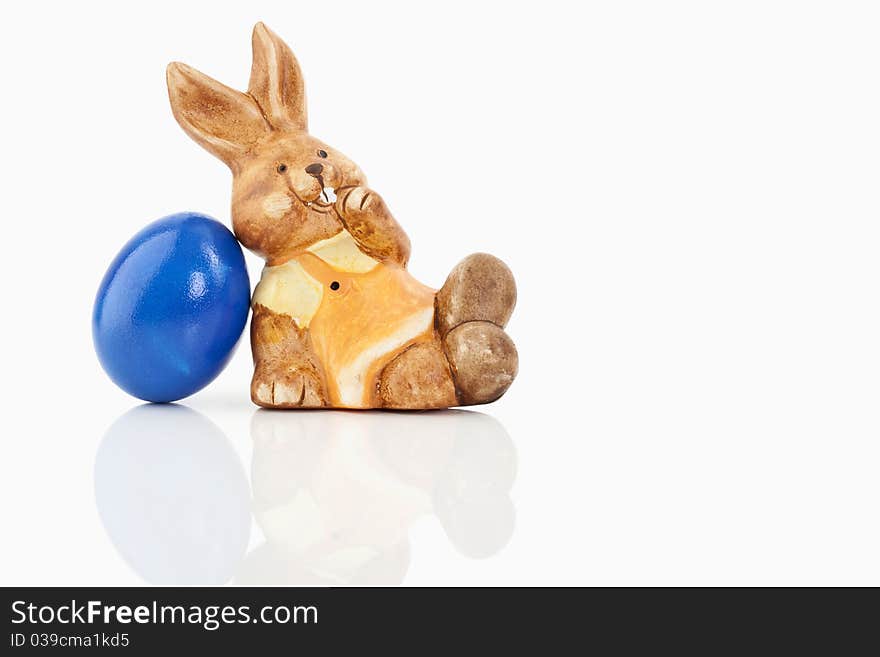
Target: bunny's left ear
{"points": [[276, 81]]}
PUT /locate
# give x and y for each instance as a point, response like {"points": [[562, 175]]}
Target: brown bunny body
{"points": [[338, 320]]}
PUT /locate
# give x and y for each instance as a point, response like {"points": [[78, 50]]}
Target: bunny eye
{"points": [[322, 153], [282, 168]]}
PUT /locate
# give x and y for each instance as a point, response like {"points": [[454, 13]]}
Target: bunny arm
{"points": [[368, 220]]}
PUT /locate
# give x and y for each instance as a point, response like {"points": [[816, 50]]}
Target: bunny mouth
{"points": [[326, 197], [328, 194], [325, 200]]}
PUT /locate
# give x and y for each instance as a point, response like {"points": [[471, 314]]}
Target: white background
{"points": [[687, 193]]}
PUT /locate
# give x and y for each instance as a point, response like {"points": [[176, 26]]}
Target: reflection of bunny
{"points": [[338, 321], [336, 494]]}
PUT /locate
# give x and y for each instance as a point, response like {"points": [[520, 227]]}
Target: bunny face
{"points": [[284, 180], [284, 195]]}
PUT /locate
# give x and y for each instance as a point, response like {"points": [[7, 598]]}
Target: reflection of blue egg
{"points": [[173, 496], [171, 307]]}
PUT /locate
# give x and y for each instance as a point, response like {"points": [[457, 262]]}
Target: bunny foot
{"points": [[296, 389], [483, 359], [480, 287]]}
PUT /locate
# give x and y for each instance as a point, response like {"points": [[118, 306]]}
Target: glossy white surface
{"points": [[333, 495], [686, 192]]}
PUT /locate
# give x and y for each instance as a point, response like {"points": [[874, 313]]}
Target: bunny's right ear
{"points": [[224, 121], [277, 81]]}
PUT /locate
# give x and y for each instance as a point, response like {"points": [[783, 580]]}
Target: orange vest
{"points": [[358, 320]]}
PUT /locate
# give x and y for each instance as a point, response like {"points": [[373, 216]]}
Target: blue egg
{"points": [[171, 307]]}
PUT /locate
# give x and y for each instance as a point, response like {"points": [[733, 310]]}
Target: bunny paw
{"points": [[358, 201], [296, 389], [368, 220]]}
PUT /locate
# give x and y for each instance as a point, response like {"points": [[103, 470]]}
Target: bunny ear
{"points": [[224, 121], [276, 81]]}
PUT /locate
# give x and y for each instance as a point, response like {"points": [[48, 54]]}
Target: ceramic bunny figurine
{"points": [[337, 320]]}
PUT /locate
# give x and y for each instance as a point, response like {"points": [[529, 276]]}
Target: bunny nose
{"points": [[314, 169]]}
